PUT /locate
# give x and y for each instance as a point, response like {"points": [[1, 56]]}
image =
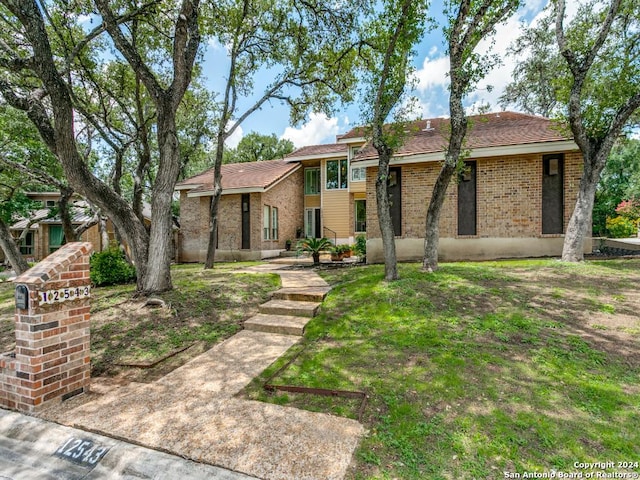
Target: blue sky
{"points": [[431, 64]]}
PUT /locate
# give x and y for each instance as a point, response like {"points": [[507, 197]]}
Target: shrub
{"points": [[111, 268], [360, 247], [621, 227]]}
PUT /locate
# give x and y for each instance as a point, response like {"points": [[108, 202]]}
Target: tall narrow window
{"points": [[274, 223], [337, 174], [552, 193], [467, 200], [361, 216], [266, 218], [312, 181]]}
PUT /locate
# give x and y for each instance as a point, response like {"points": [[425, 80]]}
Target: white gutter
{"points": [[502, 151]]}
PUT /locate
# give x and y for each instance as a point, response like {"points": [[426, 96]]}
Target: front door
{"points": [[395, 199], [246, 222], [312, 223]]}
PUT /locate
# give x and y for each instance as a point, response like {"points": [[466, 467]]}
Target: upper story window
{"points": [[337, 174], [312, 181], [358, 174]]}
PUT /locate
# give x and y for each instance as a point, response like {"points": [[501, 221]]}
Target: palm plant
{"points": [[314, 246]]}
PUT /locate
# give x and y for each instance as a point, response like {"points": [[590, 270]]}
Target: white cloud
{"points": [[434, 72], [433, 77], [234, 139], [317, 130]]}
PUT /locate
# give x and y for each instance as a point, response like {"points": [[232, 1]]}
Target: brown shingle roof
{"points": [[490, 130], [329, 149], [260, 175]]}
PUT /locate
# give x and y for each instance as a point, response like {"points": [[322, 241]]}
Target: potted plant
{"points": [[339, 252], [287, 244], [314, 246]]}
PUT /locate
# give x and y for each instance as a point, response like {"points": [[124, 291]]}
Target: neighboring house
{"points": [[44, 231], [513, 199], [260, 209]]}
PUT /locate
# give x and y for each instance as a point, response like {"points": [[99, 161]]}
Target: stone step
{"points": [[289, 307], [302, 294], [282, 324]]}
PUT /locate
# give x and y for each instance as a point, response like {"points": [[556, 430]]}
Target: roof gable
{"points": [[257, 176], [485, 131]]}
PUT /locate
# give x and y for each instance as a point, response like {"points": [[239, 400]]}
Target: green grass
{"points": [[478, 369], [205, 307]]}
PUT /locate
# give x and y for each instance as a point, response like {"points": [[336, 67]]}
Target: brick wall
{"points": [[509, 197], [51, 361], [288, 197]]}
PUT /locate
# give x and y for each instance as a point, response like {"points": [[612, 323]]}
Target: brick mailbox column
{"points": [[51, 361]]}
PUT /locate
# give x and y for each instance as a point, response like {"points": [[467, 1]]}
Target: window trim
{"points": [[26, 247], [340, 180], [274, 223], [359, 169], [319, 180], [266, 222]]}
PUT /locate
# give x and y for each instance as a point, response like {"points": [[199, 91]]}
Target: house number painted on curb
{"points": [[64, 294], [82, 451]]}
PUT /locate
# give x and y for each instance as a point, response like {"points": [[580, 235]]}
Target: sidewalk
{"points": [[28, 446], [192, 412]]}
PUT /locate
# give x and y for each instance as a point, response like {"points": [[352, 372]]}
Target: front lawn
{"points": [[479, 369], [205, 307]]}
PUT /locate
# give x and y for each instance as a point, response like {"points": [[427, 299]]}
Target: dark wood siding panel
{"points": [[467, 200], [395, 199], [553, 194]]}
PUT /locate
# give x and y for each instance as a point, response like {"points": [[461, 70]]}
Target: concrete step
{"points": [[289, 307], [282, 324], [302, 294]]}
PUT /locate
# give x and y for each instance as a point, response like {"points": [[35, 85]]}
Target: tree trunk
{"points": [[65, 215], [580, 221], [158, 278], [432, 228], [384, 217], [452, 156], [12, 250], [215, 199], [104, 234]]}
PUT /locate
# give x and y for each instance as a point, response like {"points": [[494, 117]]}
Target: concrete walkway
{"points": [[28, 449], [192, 411]]}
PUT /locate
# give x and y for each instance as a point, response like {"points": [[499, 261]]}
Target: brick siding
{"points": [[509, 197], [51, 361]]}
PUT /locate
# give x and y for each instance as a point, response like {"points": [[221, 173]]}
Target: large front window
{"points": [[337, 174], [361, 216], [312, 181]]}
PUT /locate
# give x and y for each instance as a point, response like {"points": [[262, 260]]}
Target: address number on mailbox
{"points": [[57, 296]]}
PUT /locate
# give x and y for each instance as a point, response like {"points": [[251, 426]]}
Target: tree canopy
{"points": [[255, 147]]}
